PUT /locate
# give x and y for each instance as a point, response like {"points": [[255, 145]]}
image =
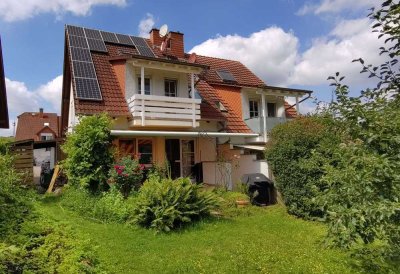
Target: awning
{"points": [[260, 148], [128, 133]]}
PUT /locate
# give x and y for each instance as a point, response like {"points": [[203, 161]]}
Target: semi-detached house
{"points": [[208, 117]]}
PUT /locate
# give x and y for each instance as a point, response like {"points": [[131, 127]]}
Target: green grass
{"points": [[266, 240]]}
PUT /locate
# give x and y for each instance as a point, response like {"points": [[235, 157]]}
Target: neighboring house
{"points": [[42, 128], [208, 117], [3, 95]]}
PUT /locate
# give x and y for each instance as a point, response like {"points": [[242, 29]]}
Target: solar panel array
{"points": [[81, 42], [225, 75]]}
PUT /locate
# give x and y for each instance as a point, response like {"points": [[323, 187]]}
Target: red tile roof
{"points": [[290, 112], [243, 76], [30, 124]]}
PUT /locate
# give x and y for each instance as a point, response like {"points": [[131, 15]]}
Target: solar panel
{"points": [[77, 41], [109, 37], [77, 31], [79, 54], [97, 45], [226, 75], [124, 39], [94, 34], [139, 41], [84, 69], [87, 89], [145, 51]]}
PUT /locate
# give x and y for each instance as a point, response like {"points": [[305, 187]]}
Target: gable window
{"points": [[146, 85], [271, 109], [46, 136], [170, 88], [145, 149], [253, 107]]}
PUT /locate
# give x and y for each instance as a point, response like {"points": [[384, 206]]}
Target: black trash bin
{"points": [[261, 189]]}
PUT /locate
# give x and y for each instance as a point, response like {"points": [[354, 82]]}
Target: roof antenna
{"points": [[164, 34]]}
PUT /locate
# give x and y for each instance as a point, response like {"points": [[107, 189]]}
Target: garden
{"points": [[337, 172]]}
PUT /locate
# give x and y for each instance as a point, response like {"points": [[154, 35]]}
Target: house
{"points": [[41, 128], [4, 123], [208, 117]]}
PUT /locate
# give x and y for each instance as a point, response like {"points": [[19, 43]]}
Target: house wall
{"points": [[248, 94], [72, 119]]}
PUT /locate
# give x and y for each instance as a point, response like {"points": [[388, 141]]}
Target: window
{"points": [[146, 85], [253, 106], [271, 109], [170, 88], [145, 148], [46, 136]]}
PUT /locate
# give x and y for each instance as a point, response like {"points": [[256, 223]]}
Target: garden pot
{"points": [[242, 203]]}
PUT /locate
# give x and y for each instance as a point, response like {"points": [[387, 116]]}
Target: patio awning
{"points": [[259, 148], [128, 133]]}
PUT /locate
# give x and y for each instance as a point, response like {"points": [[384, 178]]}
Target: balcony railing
{"points": [[256, 124], [152, 110]]}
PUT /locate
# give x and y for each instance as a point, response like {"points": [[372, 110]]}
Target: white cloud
{"points": [[274, 56], [270, 53], [350, 39], [336, 6], [145, 25], [20, 99], [17, 10], [51, 92]]}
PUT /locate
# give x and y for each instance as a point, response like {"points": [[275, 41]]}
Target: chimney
{"points": [[155, 37], [41, 112], [176, 45]]}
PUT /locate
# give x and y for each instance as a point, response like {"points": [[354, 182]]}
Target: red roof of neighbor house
{"points": [[3, 96], [30, 124]]}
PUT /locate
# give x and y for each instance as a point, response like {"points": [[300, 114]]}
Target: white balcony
{"points": [[257, 126], [163, 111]]}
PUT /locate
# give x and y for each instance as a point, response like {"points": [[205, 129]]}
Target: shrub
{"points": [[44, 247], [14, 202], [289, 154], [108, 206], [168, 204], [88, 150], [127, 174]]}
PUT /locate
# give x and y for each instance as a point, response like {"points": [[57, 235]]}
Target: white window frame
{"points": [[254, 113], [268, 109], [139, 84], [46, 135], [165, 87]]}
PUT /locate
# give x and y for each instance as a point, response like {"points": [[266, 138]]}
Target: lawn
{"points": [[259, 240]]}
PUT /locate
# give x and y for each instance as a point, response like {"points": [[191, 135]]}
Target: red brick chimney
{"points": [[41, 112], [175, 46]]}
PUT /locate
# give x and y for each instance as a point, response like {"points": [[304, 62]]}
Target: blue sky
{"points": [[285, 42]]}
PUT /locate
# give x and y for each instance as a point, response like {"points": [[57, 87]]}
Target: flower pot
{"points": [[242, 203]]}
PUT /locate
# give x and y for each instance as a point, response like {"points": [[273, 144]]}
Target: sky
{"points": [[286, 43]]}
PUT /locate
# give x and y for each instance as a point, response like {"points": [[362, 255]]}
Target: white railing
{"points": [[153, 107]]}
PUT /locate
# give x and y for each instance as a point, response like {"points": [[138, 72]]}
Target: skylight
{"points": [[225, 75]]}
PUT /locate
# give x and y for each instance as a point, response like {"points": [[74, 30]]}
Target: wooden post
{"points": [[53, 179]]}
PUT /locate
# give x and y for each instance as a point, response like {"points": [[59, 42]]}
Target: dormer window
{"points": [[46, 136]]}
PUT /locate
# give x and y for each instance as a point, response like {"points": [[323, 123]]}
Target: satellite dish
{"points": [[163, 30]]}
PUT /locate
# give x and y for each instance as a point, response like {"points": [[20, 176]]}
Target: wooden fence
{"points": [[23, 159]]}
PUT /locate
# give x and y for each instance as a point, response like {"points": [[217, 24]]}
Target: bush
{"points": [[14, 201], [127, 174], [43, 247], [168, 204], [297, 176], [88, 150], [108, 206]]}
